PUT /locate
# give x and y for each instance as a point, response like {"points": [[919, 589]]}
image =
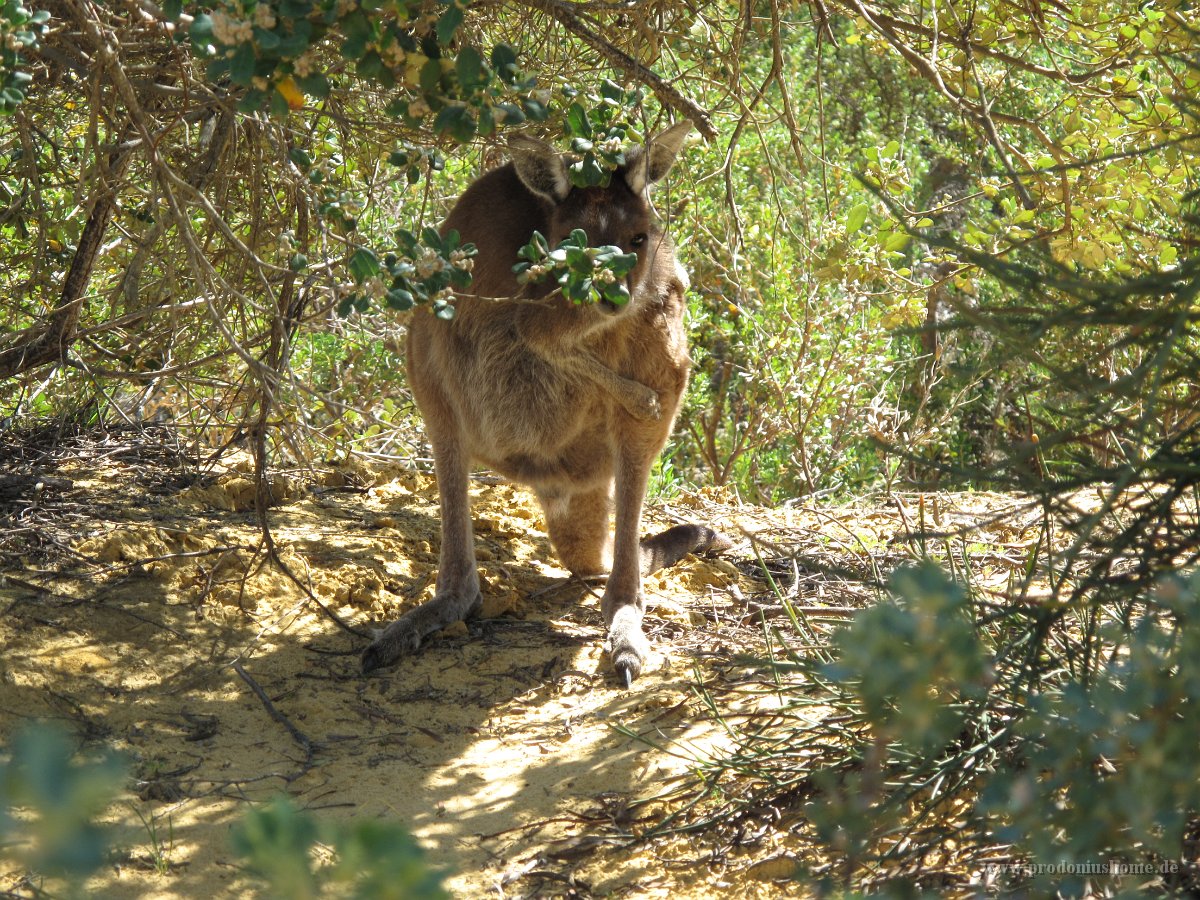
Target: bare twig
{"points": [[297, 735]]}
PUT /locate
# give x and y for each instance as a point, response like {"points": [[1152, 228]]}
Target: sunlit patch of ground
{"points": [[505, 746]]}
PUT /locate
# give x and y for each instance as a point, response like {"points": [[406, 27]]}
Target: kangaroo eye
{"points": [[638, 240]]}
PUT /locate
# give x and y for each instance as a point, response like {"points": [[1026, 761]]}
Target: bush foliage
{"points": [[930, 245], [50, 800]]}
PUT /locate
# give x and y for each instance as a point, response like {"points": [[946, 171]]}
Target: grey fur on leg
{"points": [[404, 636]]}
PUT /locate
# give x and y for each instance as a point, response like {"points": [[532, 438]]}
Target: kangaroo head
{"points": [[619, 214]]}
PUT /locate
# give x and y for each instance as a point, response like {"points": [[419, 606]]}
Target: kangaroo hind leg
{"points": [[578, 524], [457, 594]]}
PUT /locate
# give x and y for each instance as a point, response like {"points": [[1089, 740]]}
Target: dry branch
{"points": [[52, 342]]}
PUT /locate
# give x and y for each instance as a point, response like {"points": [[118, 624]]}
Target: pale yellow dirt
{"points": [[497, 746], [505, 746]]}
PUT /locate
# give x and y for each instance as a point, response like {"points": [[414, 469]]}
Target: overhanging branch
{"points": [[667, 93]]}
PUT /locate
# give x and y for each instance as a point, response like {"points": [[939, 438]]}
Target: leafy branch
{"points": [[584, 274], [426, 270]]}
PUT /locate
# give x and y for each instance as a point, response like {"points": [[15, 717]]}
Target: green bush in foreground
{"points": [[377, 860], [1087, 780], [49, 802], [61, 837]]}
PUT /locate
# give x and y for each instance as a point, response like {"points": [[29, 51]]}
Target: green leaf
{"points": [[487, 122], [588, 172], [431, 76], [201, 31], [534, 109], [293, 45], [279, 105], [457, 122], [241, 66], [616, 293], [294, 10], [364, 264], [610, 90], [266, 40], [300, 157], [407, 241], [856, 217], [370, 66], [399, 298], [504, 59], [357, 30], [469, 67], [513, 115], [577, 121], [314, 85], [252, 102], [577, 258], [448, 24], [622, 264]]}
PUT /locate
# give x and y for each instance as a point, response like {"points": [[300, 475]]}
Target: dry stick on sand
{"points": [[297, 735]]}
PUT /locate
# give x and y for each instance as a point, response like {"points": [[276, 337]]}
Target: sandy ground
{"points": [[505, 746], [497, 746]]}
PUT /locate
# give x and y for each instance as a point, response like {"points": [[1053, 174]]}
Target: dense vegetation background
{"points": [[932, 245], [190, 196]]}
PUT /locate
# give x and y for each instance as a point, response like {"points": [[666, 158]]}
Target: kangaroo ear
{"points": [[540, 167], [646, 165]]}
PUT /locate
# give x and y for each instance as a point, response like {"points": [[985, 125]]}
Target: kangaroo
{"points": [[575, 401]]}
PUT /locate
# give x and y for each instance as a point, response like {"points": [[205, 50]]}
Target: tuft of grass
{"points": [[161, 846]]}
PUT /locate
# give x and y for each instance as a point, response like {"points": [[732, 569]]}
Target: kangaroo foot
{"points": [[627, 645], [404, 636]]}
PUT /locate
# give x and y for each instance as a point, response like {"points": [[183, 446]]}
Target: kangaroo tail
{"points": [[674, 544]]}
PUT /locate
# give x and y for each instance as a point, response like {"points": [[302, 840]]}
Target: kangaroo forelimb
{"points": [[635, 398]]}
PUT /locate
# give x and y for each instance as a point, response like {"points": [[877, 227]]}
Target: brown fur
{"points": [[575, 401]]}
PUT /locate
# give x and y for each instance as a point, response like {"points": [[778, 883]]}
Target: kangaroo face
{"points": [[617, 215]]}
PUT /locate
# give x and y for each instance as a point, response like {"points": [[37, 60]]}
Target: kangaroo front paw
{"points": [[627, 645], [644, 405]]}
